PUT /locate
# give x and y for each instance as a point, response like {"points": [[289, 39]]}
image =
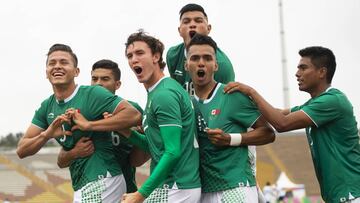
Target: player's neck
{"points": [[62, 92], [319, 90], [154, 78], [205, 91]]}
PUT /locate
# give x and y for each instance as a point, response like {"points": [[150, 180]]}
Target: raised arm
{"points": [[281, 122]]}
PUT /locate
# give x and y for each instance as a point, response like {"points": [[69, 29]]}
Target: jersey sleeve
{"points": [[295, 108], [101, 100], [323, 109], [172, 142], [166, 106], [170, 61], [243, 109], [137, 106], [40, 117]]}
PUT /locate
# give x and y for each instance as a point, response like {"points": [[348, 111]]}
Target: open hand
{"points": [[237, 86], [56, 128]]}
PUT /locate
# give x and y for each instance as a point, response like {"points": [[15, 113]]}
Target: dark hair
{"points": [[200, 39], [192, 7], [321, 57], [109, 65], [154, 44], [65, 48]]}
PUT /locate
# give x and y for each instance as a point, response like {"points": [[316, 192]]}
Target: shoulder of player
{"points": [[173, 56], [167, 88], [221, 55], [46, 102], [332, 94], [176, 49], [235, 96]]}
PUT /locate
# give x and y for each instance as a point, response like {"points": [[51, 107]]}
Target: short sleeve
{"points": [[323, 109], [101, 100], [40, 117], [243, 109]]}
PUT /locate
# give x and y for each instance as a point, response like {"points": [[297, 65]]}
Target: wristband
{"points": [[235, 139]]}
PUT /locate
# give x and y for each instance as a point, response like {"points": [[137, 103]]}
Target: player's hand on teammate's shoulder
{"points": [[237, 86]]}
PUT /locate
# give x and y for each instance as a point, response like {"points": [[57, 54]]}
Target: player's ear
{"points": [[77, 71], [323, 72], [186, 65], [117, 84], [208, 28], [156, 57]]}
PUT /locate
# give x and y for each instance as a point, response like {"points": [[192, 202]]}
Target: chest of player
{"points": [[57, 109]]}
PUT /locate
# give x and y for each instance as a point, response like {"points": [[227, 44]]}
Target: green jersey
{"points": [[122, 149], [175, 60], [223, 168], [92, 101], [168, 104], [334, 145]]}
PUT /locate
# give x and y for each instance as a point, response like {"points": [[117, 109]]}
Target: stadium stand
{"points": [[37, 179]]}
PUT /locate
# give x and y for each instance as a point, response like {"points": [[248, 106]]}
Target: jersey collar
{"points": [[156, 84], [70, 97], [212, 96]]}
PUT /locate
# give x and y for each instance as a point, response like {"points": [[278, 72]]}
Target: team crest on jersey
{"points": [[51, 115], [215, 112]]}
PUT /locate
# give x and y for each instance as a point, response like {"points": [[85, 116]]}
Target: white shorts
{"points": [[235, 195], [164, 195], [106, 190], [357, 200]]}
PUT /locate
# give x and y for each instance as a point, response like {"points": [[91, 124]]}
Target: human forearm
{"points": [[123, 119], [274, 116], [28, 146], [65, 158], [139, 140], [138, 157], [259, 136], [172, 141]]}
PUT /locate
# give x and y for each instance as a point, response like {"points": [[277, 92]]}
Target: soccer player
{"points": [[330, 124], [225, 168], [193, 19], [106, 73], [169, 125], [95, 178]]}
